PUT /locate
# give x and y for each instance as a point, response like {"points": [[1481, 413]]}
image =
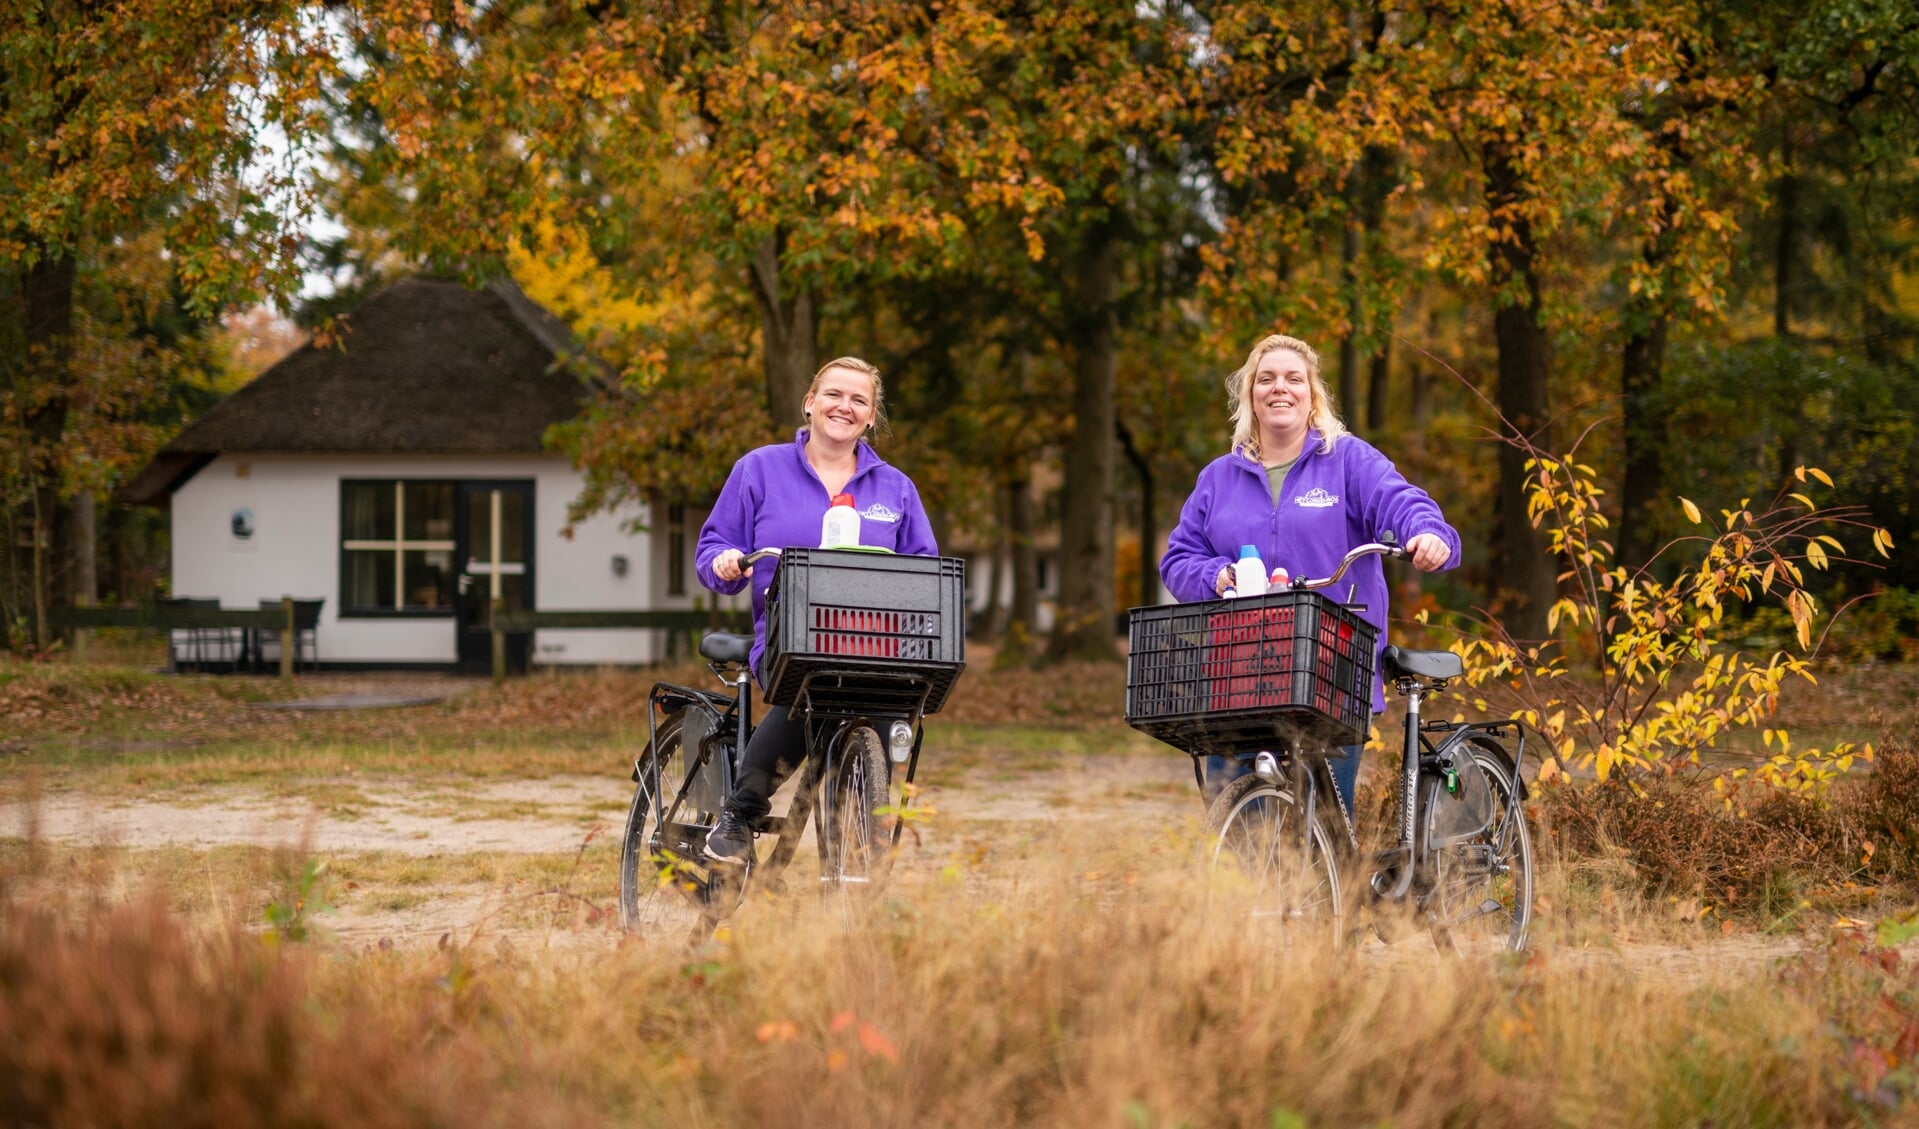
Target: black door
{"points": [[494, 530]]}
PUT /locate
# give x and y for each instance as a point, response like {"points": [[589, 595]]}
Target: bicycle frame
{"points": [[1412, 858], [825, 735], [662, 700]]}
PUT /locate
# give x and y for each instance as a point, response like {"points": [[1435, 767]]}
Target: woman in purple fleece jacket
{"points": [[1303, 491], [774, 499]]}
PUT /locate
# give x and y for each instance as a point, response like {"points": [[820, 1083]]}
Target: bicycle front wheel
{"points": [[854, 850], [1257, 828], [1484, 884], [653, 892]]}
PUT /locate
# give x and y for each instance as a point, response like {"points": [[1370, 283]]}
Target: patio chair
{"points": [[306, 634]]}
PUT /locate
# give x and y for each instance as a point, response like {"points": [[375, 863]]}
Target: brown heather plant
{"points": [[122, 1016], [1776, 853]]}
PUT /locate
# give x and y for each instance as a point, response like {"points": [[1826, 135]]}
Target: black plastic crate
{"points": [[1238, 675], [858, 622]]}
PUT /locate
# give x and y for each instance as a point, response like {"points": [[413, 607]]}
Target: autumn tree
{"points": [[120, 122]]}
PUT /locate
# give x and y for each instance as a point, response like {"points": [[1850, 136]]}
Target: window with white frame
{"points": [[396, 547]]}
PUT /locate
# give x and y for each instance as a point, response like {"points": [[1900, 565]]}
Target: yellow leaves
{"points": [[1815, 555], [1882, 541], [1799, 606], [1692, 511]]}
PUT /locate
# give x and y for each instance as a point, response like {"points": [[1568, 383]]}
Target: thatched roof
{"points": [[421, 366]]}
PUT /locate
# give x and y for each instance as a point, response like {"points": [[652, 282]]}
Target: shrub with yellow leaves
{"points": [[1665, 684]]}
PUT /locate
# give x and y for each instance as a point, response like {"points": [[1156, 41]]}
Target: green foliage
{"points": [[301, 894], [1742, 418]]}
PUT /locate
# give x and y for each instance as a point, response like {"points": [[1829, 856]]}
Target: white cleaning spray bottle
{"points": [[840, 529], [1249, 574]]}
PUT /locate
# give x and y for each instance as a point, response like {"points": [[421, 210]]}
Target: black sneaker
{"points": [[730, 840]]}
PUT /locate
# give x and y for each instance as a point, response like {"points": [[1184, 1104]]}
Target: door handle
{"points": [[466, 579]]}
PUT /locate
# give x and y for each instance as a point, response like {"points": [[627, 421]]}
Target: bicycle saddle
{"points": [[1422, 664], [725, 647]]}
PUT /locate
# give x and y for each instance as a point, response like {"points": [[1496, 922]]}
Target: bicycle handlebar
{"points": [[1373, 548], [756, 557]]}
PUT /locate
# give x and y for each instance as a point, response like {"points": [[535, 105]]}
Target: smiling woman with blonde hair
{"points": [[775, 498], [1302, 490]]}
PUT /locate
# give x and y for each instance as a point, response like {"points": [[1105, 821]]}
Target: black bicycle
{"points": [[1276, 684], [860, 678]]}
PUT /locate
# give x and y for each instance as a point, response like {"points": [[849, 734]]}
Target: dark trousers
{"points": [[1221, 771], [777, 747]]}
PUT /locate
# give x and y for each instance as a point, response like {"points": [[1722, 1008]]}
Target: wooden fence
{"points": [[693, 622], [83, 620]]}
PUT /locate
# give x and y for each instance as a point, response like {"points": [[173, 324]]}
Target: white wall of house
{"points": [[295, 550]]}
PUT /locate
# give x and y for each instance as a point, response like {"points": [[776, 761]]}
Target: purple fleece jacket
{"points": [[773, 499], [1329, 502]]}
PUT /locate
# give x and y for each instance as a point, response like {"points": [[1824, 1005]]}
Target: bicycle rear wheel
{"points": [[654, 889], [1255, 826], [854, 850], [1483, 889]]}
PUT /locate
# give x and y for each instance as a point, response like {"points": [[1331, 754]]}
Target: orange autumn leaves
{"points": [[848, 1038]]}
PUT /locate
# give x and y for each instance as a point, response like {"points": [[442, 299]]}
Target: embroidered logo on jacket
{"points": [[877, 512], [1317, 499]]}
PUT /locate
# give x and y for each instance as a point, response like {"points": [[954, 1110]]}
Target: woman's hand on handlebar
{"points": [[732, 564], [726, 566], [1428, 552]]}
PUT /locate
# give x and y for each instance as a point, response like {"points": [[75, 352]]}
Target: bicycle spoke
{"points": [[1287, 869]]}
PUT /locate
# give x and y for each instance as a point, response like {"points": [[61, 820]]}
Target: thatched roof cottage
{"points": [[399, 474]]}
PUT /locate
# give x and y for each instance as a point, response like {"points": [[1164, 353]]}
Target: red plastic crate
{"points": [[865, 633], [1242, 674]]}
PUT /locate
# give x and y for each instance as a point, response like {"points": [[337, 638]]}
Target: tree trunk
{"points": [[1521, 561], [1083, 626], [1421, 377], [1377, 388], [1148, 527], [1348, 394], [1786, 195], [789, 336], [1642, 369], [1022, 617], [49, 311], [991, 620]]}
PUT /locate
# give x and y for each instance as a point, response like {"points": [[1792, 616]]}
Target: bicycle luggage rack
{"points": [[876, 634], [1244, 674]]}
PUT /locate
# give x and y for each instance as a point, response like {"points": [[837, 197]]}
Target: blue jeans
{"points": [[1221, 771]]}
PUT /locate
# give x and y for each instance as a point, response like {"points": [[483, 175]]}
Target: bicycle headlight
{"points": [[899, 742]]}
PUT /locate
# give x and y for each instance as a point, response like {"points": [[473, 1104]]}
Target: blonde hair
{"points": [[872, 373], [1239, 394]]}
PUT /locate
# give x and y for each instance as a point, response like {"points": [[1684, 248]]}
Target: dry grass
{"points": [[1069, 973], [1057, 995]]}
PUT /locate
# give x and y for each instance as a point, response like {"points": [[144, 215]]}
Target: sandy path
{"points": [[550, 815], [1132, 794]]}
